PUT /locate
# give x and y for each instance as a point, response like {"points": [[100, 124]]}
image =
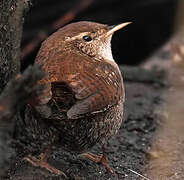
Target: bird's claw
{"points": [[43, 164], [98, 159]]}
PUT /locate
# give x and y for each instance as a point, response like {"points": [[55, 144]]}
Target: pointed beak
{"points": [[115, 28]]}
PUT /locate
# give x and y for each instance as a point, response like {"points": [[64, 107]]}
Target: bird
{"points": [[82, 103]]}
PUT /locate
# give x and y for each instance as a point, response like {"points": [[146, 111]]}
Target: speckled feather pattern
{"points": [[87, 87], [77, 135]]}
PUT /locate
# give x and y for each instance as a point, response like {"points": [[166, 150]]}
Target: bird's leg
{"points": [[102, 159], [42, 162]]}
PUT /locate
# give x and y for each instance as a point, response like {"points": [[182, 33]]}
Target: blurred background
{"points": [[153, 22]]}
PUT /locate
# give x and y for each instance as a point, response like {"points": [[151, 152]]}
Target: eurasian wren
{"points": [[85, 83]]}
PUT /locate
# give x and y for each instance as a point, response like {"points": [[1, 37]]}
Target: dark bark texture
{"points": [[10, 33], [10, 36], [15, 89]]}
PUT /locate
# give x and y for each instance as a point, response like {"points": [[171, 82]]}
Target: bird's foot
{"points": [[43, 164], [99, 159]]}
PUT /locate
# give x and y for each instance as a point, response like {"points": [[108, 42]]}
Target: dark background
{"points": [[152, 24]]}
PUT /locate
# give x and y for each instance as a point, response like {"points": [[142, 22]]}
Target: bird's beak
{"points": [[115, 28]]}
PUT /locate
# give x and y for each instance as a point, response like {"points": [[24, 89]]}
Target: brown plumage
{"points": [[86, 86]]}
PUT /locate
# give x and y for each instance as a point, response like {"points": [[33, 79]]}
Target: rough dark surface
{"points": [[125, 151], [10, 37], [17, 93]]}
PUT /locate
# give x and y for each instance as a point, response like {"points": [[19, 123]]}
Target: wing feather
{"points": [[97, 91], [92, 86]]}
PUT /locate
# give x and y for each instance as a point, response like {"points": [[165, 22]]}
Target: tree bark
{"points": [[10, 36], [16, 89]]}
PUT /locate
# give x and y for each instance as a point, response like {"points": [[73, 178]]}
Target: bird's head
{"points": [[88, 38]]}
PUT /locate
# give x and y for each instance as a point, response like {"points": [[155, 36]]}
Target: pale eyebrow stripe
{"points": [[77, 36]]}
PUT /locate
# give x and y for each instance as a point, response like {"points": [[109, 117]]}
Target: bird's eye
{"points": [[87, 38]]}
